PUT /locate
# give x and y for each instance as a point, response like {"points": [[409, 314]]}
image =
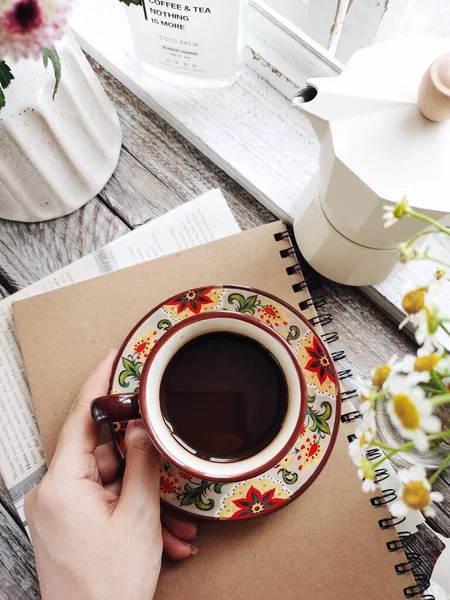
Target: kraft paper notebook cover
{"points": [[328, 543]]}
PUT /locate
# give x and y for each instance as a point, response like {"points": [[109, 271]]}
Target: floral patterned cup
{"points": [[146, 404]]}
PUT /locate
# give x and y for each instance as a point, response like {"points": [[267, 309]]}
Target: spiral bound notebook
{"points": [[334, 541]]}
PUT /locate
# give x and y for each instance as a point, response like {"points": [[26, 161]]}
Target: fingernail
{"points": [[194, 550]]}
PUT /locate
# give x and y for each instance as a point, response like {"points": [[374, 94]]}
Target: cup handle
{"points": [[116, 407]]}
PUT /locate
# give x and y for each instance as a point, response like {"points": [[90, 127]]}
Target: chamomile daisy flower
{"points": [[366, 473], [421, 308], [418, 367], [410, 411], [366, 395], [415, 494], [365, 434], [29, 26], [381, 374], [395, 212]]}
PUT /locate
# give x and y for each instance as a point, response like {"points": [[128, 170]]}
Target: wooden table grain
{"points": [[158, 171]]}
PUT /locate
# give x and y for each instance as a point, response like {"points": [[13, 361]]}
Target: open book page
{"points": [[22, 461]]}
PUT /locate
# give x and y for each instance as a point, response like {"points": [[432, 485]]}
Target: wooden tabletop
{"points": [[158, 171]]}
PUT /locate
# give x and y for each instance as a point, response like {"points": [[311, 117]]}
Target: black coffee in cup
{"points": [[223, 396]]}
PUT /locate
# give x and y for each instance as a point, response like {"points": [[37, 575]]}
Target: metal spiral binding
{"points": [[403, 541], [389, 495], [351, 416], [386, 497], [374, 454], [391, 522], [315, 301], [381, 475], [330, 337]]}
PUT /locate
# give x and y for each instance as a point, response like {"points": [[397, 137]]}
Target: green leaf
{"points": [[5, 79], [294, 333], [129, 2], [246, 305], [320, 420], [311, 399], [123, 376], [164, 324], [52, 54], [137, 369], [128, 364], [218, 487], [193, 495], [288, 477], [5, 75]]}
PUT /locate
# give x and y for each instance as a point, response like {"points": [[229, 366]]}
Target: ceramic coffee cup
{"points": [[146, 404]]}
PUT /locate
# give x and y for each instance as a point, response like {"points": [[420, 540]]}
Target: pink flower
{"points": [[29, 26]]}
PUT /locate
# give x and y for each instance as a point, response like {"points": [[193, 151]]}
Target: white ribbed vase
{"points": [[55, 155]]}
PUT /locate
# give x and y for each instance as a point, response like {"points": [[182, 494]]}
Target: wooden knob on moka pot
{"points": [[434, 90]]}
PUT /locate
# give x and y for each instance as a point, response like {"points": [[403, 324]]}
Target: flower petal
{"points": [[404, 475], [399, 509], [431, 424], [436, 497], [421, 441], [429, 511], [417, 473]]}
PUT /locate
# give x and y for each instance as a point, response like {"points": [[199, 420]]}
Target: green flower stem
{"points": [[406, 447], [443, 466], [444, 328], [415, 237], [429, 220], [435, 260], [391, 451], [437, 380], [440, 400]]}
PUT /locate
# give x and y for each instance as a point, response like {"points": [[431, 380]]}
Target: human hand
{"points": [[96, 534]]}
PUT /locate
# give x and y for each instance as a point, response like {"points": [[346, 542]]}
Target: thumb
{"points": [[140, 488]]}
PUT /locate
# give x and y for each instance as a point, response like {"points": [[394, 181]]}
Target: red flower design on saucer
{"points": [[256, 503], [192, 300], [319, 362]]}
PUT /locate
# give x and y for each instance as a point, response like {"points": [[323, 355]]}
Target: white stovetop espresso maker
{"points": [[384, 128]]}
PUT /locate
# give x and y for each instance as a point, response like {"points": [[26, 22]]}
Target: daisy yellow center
{"points": [[416, 495], [413, 302], [406, 411], [367, 469], [381, 374], [426, 363], [400, 209]]}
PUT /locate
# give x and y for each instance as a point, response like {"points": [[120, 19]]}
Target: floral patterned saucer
{"points": [[280, 485]]}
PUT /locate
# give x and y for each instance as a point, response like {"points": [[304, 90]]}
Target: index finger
{"points": [[79, 434]]}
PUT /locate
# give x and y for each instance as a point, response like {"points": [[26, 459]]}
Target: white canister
{"points": [[55, 155], [197, 43]]}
